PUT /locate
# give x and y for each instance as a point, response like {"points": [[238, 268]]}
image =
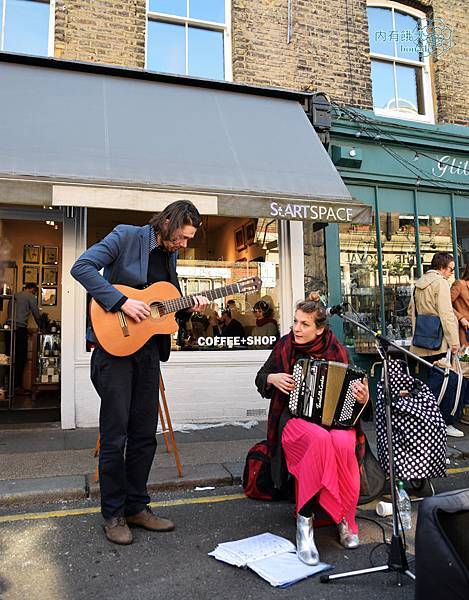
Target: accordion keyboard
{"points": [[323, 393]]}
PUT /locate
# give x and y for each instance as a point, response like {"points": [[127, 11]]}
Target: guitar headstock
{"points": [[249, 285]]}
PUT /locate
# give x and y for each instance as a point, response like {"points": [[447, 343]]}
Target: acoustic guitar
{"points": [[120, 335]]}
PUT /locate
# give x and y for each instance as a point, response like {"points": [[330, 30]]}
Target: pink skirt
{"points": [[323, 463]]}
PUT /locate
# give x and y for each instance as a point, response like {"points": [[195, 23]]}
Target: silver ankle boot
{"points": [[305, 547]]}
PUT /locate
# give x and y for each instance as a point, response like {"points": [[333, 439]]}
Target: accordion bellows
{"points": [[323, 393]]}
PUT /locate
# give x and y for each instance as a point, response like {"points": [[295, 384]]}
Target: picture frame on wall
{"points": [[249, 233], [239, 239], [30, 274], [50, 255], [48, 296], [49, 276], [31, 253]]}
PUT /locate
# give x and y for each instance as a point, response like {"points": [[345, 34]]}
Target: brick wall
{"points": [[451, 71], [328, 49], [103, 31]]}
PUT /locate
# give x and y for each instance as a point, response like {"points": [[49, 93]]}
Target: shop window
{"points": [[25, 27], [436, 237], [400, 271], [315, 258], [400, 67], [360, 284], [462, 230], [189, 37], [224, 251]]}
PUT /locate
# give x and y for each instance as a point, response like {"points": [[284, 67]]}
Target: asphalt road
{"points": [[60, 558]]}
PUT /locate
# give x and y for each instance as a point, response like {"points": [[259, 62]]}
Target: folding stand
{"points": [[166, 426]]}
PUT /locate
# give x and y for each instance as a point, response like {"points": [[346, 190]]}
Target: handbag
{"points": [[418, 429], [428, 331], [450, 388]]}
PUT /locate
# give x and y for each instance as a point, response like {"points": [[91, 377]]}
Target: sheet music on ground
{"points": [[270, 556]]}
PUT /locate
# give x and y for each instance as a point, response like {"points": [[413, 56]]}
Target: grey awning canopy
{"points": [[69, 125]]}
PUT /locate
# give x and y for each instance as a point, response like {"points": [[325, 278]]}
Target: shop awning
{"points": [[252, 154]]}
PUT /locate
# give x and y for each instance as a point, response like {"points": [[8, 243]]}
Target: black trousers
{"points": [[129, 390]]}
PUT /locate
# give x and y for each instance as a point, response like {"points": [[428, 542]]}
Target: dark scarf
{"points": [[264, 321], [326, 347]]}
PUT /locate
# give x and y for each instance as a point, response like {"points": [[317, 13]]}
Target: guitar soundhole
{"points": [[157, 310]]}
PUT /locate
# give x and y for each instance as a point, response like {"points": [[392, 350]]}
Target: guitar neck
{"points": [[171, 306]]}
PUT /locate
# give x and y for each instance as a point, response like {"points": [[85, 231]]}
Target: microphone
{"points": [[337, 309]]}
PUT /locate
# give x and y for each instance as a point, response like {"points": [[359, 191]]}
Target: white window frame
{"points": [[224, 28], [425, 65], [50, 37]]}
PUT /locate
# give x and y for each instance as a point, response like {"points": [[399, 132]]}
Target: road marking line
{"points": [[70, 512], [460, 470], [96, 509]]}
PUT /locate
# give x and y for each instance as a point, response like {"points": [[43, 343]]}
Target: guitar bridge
{"points": [[123, 324]]}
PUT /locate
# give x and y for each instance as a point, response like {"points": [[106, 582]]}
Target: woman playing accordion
{"points": [[324, 461]]}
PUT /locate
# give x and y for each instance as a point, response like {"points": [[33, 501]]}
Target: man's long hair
{"points": [[173, 217]]}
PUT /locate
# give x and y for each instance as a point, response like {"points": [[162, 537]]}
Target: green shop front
{"points": [[415, 178]]}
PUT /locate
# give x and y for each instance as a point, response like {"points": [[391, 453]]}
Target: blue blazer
{"points": [[124, 255]]}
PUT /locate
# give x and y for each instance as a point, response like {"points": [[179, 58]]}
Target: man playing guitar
{"points": [[129, 385]]}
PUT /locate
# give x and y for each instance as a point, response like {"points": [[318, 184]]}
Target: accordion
{"points": [[323, 393]]}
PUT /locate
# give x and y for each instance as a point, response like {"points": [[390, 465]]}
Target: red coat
{"points": [[460, 301]]}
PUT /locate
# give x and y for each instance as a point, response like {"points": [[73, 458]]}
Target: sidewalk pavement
{"points": [[47, 464]]}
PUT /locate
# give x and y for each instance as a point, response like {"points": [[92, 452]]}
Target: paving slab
{"points": [[166, 478], [236, 470], [31, 441], [43, 489], [46, 464]]}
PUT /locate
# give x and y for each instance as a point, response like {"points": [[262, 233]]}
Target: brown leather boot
{"points": [[117, 531], [147, 520]]}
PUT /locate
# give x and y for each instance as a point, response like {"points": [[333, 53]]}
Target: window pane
{"points": [[26, 27], [212, 10], [407, 89], [399, 273], [407, 28], [315, 258], [382, 77], [231, 249], [169, 7], [206, 53], [360, 284], [462, 230], [435, 237], [166, 48], [381, 30]]}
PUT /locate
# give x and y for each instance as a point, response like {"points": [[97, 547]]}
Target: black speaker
{"points": [[442, 547]]}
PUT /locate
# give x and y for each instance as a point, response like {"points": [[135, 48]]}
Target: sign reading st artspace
{"points": [[341, 211]]}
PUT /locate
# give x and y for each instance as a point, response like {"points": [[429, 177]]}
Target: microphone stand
{"points": [[397, 561]]}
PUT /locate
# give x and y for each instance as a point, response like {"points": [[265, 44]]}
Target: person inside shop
{"points": [[25, 305], [213, 328], [231, 327], [265, 325], [432, 296], [129, 386], [323, 461]]}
